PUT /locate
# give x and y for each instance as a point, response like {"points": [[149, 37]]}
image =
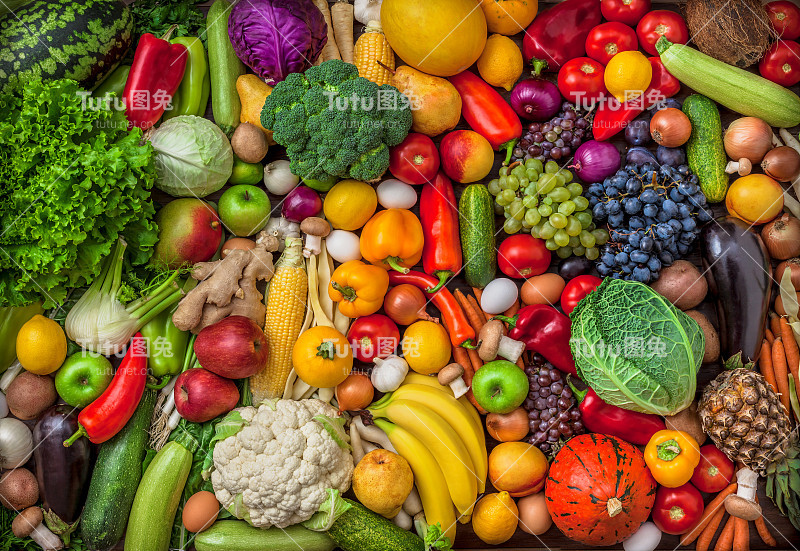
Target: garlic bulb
{"points": [[367, 10], [388, 373]]}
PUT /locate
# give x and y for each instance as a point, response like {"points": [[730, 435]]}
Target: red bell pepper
{"points": [[558, 34], [781, 63], [441, 253], [487, 112], [105, 417], [545, 330], [631, 426], [461, 332], [612, 116], [156, 73]]}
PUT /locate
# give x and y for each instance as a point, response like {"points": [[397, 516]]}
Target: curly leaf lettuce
{"points": [[635, 349], [72, 179]]}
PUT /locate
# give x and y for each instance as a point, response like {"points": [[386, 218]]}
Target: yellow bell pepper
{"points": [[358, 288], [392, 239], [672, 456], [322, 357]]}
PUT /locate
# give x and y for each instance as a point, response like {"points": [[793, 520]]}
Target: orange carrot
{"points": [[707, 535], [476, 361], [511, 312], [769, 336], [477, 307], [472, 316], [478, 292], [781, 372], [774, 324], [765, 365], [791, 348], [521, 363], [741, 535], [763, 532], [708, 513], [725, 540]]}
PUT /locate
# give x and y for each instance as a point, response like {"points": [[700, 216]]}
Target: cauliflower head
{"points": [[277, 469]]}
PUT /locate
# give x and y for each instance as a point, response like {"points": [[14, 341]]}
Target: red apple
{"points": [[201, 395], [234, 347], [189, 231]]}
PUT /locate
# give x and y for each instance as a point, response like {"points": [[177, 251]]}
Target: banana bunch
{"points": [[442, 440]]}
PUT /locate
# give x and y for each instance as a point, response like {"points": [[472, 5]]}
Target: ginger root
{"points": [[228, 287]]}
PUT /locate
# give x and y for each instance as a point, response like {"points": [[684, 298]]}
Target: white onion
{"points": [[278, 179], [343, 246], [645, 538], [499, 296], [16, 443], [394, 194]]}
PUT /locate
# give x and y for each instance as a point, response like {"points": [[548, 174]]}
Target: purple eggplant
{"points": [[62, 473], [739, 276]]}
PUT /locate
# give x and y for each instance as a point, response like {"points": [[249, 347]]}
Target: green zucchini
{"points": [[476, 221], [115, 478], [237, 535], [705, 151], [224, 67], [359, 529], [736, 89], [157, 499]]}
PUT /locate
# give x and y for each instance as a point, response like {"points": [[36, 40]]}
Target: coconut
{"points": [[737, 32]]}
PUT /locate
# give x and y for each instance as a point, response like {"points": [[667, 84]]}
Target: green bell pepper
{"points": [[12, 318], [166, 343], [114, 83], [192, 95]]}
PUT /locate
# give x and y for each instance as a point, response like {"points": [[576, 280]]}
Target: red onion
{"points": [[301, 203], [595, 161], [535, 99]]}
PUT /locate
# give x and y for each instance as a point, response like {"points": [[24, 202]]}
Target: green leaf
{"points": [[230, 425], [331, 509], [435, 540], [334, 426]]}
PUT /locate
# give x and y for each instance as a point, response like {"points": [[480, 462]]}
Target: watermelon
{"points": [[83, 40]]}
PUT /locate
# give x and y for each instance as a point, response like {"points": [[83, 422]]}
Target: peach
{"points": [[755, 198], [517, 468], [466, 156]]}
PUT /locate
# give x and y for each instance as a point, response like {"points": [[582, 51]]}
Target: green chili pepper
{"points": [[192, 95], [114, 83], [11, 320], [166, 343]]}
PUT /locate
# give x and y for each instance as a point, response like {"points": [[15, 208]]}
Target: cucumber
{"points": [[115, 478], [476, 221], [705, 151], [359, 529], [224, 67], [237, 535], [157, 499], [736, 89]]}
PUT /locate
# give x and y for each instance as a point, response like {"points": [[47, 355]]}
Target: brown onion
{"points": [[670, 127], [509, 427], [793, 265], [749, 138], [782, 163], [782, 237], [354, 393], [405, 304]]}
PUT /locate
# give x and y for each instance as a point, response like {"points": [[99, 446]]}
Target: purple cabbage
{"points": [[277, 37]]}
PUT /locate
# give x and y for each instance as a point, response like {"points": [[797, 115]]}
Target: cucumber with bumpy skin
{"points": [[705, 151], [476, 221]]}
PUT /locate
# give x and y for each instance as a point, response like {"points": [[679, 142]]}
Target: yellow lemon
{"points": [[500, 63], [628, 75], [350, 204], [426, 347], [41, 345], [495, 518]]}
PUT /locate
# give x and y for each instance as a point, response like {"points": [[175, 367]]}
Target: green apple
{"points": [[244, 209], [83, 377], [500, 386]]}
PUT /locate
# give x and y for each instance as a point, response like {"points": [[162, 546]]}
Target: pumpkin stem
{"points": [[614, 507]]}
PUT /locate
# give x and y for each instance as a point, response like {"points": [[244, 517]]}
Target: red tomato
{"points": [[415, 160], [715, 471], [785, 19], [374, 336], [624, 11], [660, 23], [608, 39], [576, 289], [677, 510], [523, 255], [580, 80], [781, 63]]}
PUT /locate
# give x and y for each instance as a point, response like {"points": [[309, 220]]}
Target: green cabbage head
{"points": [[635, 349]]}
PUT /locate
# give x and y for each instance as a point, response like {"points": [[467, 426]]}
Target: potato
{"points": [[689, 422], [682, 284], [249, 143], [712, 337]]}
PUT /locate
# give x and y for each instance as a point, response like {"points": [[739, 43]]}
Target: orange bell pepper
{"points": [[672, 456], [392, 239], [358, 288]]}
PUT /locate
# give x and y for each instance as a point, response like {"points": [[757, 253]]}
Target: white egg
{"points": [[499, 296], [343, 246], [645, 538], [394, 194]]}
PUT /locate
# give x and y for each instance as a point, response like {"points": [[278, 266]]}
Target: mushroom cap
{"points": [[450, 373], [26, 522], [314, 225], [489, 338], [742, 508], [745, 167]]}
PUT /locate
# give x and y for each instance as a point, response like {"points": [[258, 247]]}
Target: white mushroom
{"points": [[492, 343], [28, 524], [743, 504], [743, 167], [452, 375], [315, 229]]}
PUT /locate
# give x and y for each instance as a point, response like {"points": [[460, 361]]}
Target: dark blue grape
{"points": [[684, 211], [699, 199], [593, 201], [650, 211], [627, 268], [683, 249], [628, 248], [647, 243], [633, 185], [676, 226], [662, 216], [616, 220], [640, 257], [619, 180], [641, 274], [649, 196], [613, 207], [688, 224], [664, 231], [676, 196], [607, 258], [612, 191], [654, 264], [635, 240], [693, 179], [666, 258], [595, 189], [704, 216], [603, 269], [599, 211], [616, 275], [621, 258], [684, 170], [687, 188], [636, 223], [670, 208], [632, 205]]}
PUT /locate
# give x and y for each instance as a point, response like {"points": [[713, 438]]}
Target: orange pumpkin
{"points": [[599, 490]]}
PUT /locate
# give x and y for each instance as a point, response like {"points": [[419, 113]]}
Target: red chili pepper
{"points": [[441, 252], [545, 330], [105, 417], [781, 63], [559, 34], [461, 332], [612, 116], [487, 112], [632, 426], [155, 75]]}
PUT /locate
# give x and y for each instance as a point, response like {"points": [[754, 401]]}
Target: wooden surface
{"points": [[787, 537]]}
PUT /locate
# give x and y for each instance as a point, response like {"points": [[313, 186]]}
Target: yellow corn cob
{"points": [[370, 48], [286, 309]]}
